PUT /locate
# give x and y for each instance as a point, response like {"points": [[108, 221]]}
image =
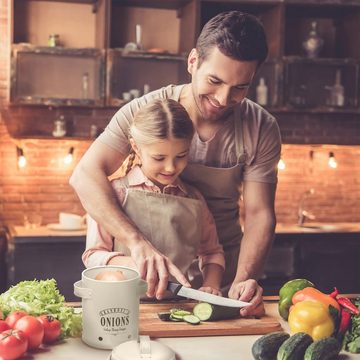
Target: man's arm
{"points": [[90, 181], [258, 235]]}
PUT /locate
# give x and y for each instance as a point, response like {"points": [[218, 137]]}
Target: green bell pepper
{"points": [[286, 293]]}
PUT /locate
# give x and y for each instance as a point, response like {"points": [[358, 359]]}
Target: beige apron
{"points": [[220, 187], [170, 223]]}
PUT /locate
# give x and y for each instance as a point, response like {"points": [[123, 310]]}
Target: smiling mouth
{"points": [[213, 104]]}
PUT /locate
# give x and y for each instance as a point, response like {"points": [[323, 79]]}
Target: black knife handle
{"points": [[173, 287]]}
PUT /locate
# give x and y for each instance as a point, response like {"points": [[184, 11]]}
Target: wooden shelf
{"points": [[317, 110], [173, 26], [155, 4]]}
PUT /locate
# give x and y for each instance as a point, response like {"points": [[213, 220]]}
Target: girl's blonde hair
{"points": [[159, 120]]}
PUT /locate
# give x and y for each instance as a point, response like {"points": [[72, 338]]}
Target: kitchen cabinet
{"points": [[122, 66], [44, 254], [37, 76], [169, 28], [328, 259]]}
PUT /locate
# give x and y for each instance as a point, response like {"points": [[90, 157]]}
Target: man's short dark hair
{"points": [[237, 35]]}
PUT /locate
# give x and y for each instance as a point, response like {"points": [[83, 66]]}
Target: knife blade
{"points": [[178, 289]]}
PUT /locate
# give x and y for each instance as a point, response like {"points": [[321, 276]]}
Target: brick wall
{"points": [[337, 191], [43, 185]]}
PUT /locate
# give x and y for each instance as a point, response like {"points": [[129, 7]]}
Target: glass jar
{"points": [[53, 40], [59, 127], [314, 43]]}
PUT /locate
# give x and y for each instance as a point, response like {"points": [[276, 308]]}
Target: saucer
{"points": [[60, 227]]}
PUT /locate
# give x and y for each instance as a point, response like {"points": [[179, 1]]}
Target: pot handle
{"points": [[145, 346], [142, 287], [82, 292]]}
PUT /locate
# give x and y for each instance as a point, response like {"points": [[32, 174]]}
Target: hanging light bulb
{"points": [[332, 161], [281, 164], [21, 159], [69, 157]]}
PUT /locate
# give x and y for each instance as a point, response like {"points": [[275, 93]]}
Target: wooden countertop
{"points": [[315, 227], [281, 228], [43, 231]]}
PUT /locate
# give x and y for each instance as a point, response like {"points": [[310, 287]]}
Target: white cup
{"points": [[126, 96], [71, 221], [135, 93]]}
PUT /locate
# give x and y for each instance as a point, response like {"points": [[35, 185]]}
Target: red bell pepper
{"points": [[347, 304], [344, 322], [335, 293]]}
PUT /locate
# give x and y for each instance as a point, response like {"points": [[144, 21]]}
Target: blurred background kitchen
{"points": [[67, 66]]}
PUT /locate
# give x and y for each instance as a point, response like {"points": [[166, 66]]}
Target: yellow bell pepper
{"points": [[311, 317]]}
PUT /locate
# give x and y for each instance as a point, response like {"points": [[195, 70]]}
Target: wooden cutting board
{"points": [[151, 325]]}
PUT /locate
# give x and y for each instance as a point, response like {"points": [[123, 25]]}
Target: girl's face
{"points": [[163, 161]]}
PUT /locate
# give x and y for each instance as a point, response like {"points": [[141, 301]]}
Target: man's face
{"points": [[219, 83]]}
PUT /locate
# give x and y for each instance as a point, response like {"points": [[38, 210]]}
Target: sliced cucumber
{"points": [[164, 316], [203, 311], [191, 319], [180, 312], [176, 318], [210, 312]]}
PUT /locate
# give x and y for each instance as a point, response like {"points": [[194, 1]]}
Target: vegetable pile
{"points": [[34, 313], [38, 298], [319, 323]]}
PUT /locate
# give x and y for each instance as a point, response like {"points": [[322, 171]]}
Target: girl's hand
{"points": [[249, 291], [210, 290], [155, 268]]}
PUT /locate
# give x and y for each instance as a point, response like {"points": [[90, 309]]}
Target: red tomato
{"points": [[13, 344], [33, 329], [3, 326], [52, 328], [12, 318]]}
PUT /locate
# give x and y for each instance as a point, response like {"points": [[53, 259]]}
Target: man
{"points": [[236, 142]]}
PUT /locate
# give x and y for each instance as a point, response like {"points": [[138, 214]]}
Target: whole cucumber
{"points": [[323, 349], [267, 346], [294, 347]]}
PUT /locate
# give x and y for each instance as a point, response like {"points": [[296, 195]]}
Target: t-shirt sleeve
{"points": [[262, 166]]}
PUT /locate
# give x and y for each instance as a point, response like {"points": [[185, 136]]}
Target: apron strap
{"points": [[239, 135]]}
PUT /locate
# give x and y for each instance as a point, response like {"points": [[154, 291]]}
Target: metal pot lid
{"points": [[144, 349]]}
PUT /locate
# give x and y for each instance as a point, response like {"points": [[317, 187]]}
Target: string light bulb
{"points": [[21, 159], [69, 157], [332, 161], [281, 164]]}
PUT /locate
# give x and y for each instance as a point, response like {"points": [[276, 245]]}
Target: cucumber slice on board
{"points": [[164, 316], [191, 319]]}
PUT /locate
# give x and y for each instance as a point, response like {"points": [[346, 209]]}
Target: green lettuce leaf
{"points": [[351, 340], [42, 297]]}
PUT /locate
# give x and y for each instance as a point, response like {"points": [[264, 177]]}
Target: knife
{"points": [[178, 289]]}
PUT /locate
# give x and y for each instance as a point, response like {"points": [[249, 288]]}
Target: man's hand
{"points": [[155, 268], [249, 291]]}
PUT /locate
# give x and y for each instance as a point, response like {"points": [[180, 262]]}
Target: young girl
{"points": [[172, 215]]}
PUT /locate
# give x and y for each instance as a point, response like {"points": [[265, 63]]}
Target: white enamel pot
{"points": [[110, 308]]}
